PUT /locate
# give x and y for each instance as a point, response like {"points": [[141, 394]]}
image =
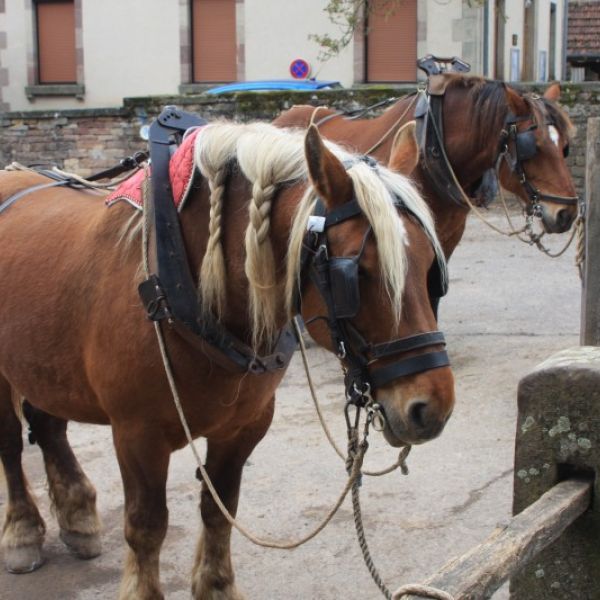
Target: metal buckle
{"points": [[376, 416]]}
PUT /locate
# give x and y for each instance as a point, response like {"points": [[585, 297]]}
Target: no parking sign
{"points": [[299, 69]]}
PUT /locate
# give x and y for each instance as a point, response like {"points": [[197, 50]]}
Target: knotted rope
{"points": [[359, 448]]}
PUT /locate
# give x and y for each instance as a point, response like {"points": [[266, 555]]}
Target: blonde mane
{"points": [[269, 156], [376, 191]]}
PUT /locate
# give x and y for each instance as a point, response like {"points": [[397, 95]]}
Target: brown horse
{"points": [[76, 341], [482, 121]]}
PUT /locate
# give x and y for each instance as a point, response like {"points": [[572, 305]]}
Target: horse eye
{"points": [[566, 151]]}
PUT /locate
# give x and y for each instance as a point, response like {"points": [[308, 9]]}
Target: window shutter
{"points": [[392, 44], [214, 40], [56, 42]]}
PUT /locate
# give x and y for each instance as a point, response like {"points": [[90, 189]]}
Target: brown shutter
{"points": [[214, 40], [392, 44], [56, 42]]}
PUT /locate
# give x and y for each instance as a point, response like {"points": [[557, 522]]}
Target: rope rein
{"points": [[400, 461], [283, 545]]}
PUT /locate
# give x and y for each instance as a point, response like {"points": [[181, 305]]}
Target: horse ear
{"points": [[515, 101], [553, 92], [327, 173], [404, 156]]}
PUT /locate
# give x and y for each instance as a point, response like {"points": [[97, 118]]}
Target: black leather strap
{"points": [[433, 160], [171, 292], [409, 366], [414, 342]]}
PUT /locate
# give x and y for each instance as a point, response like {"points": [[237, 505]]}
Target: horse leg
{"points": [[24, 529], [212, 575], [144, 461], [73, 496]]}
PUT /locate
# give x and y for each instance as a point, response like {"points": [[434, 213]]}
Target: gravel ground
{"points": [[509, 307]]}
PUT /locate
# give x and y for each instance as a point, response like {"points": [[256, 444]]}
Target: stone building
{"points": [[583, 47], [90, 54]]}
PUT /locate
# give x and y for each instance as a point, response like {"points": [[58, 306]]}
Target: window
{"points": [[392, 44], [55, 23], [214, 41]]}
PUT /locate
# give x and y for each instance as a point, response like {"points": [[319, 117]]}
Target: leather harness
{"points": [[437, 167], [336, 279], [170, 293]]}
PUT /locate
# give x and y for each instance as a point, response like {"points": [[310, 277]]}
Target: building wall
{"points": [[277, 33], [136, 54], [86, 141], [146, 51]]}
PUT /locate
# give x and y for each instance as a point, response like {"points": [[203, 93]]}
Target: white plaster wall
{"points": [[513, 25], [542, 35], [18, 37], [439, 20], [134, 55], [276, 33], [560, 50]]}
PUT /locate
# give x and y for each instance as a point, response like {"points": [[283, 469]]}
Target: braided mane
{"points": [[268, 156]]}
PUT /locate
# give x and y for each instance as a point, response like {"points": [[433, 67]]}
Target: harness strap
{"points": [[42, 186], [125, 164], [170, 293], [433, 159], [414, 342], [409, 366]]}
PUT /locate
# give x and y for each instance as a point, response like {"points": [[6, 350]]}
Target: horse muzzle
{"points": [[420, 422], [557, 221]]}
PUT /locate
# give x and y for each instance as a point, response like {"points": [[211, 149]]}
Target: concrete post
{"points": [[558, 436], [590, 298]]}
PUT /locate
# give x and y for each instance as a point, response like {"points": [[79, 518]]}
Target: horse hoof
{"points": [[83, 545], [23, 559]]}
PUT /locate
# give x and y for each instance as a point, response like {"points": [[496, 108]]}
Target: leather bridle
{"points": [[514, 146], [337, 280], [525, 148]]}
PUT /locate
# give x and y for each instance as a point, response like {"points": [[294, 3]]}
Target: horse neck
{"points": [[471, 138], [371, 136]]}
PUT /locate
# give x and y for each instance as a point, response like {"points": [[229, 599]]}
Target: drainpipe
{"points": [[486, 37], [565, 39]]}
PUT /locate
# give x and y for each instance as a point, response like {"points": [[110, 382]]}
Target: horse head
{"points": [[536, 146], [371, 245]]}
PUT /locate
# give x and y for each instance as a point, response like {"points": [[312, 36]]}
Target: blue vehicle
{"points": [[266, 85]]}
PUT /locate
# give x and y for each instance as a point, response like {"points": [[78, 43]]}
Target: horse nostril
{"points": [[563, 219], [417, 416]]}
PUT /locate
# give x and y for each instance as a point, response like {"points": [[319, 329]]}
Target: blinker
{"points": [[526, 145], [343, 278]]}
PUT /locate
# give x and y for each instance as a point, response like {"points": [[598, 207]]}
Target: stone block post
{"points": [[558, 437]]}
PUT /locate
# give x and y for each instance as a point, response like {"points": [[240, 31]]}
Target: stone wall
{"points": [[85, 141]]}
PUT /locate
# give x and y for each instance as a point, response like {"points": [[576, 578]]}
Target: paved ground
{"points": [[509, 307]]}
